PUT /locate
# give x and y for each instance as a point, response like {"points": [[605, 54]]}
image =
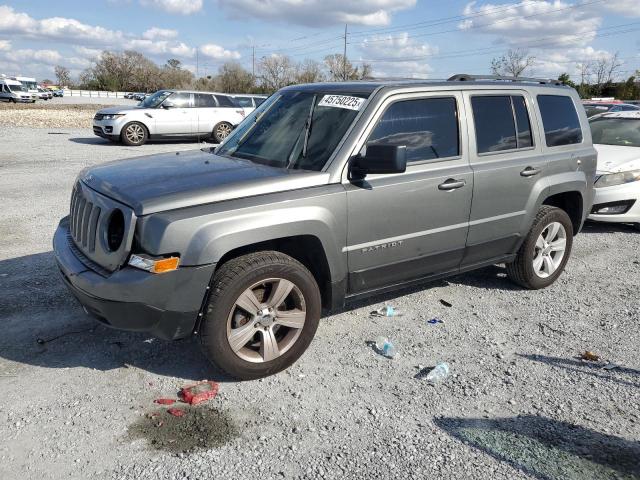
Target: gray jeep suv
{"points": [[325, 194]]}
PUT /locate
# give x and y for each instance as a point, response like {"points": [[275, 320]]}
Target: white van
{"points": [[13, 91]]}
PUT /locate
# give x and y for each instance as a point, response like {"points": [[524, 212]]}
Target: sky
{"points": [[399, 38]]}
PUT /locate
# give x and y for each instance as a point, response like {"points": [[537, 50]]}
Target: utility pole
{"points": [[253, 60], [197, 63], [344, 55]]}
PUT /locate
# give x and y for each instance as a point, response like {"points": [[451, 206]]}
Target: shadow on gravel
{"points": [[43, 325], [601, 227], [549, 449], [103, 142], [589, 368]]}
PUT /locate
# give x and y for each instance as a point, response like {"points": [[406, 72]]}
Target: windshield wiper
{"points": [[307, 127]]}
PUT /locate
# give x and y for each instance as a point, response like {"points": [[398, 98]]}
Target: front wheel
{"points": [[261, 316], [221, 131], [134, 134], [545, 251]]}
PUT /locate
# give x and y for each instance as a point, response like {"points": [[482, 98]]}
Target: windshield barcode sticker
{"points": [[341, 101]]}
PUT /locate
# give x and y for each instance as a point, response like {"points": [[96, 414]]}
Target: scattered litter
{"points": [[433, 321], [176, 412], [438, 373], [148, 340], [386, 348], [589, 356], [164, 401], [386, 311], [57, 133], [301, 375], [200, 392], [445, 303], [543, 326], [42, 341], [610, 366], [159, 424]]}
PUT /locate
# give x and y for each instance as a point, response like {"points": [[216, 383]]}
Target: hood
{"points": [[112, 110], [614, 158], [169, 181]]}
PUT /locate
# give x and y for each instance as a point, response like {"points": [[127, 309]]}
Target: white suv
{"points": [[170, 113]]}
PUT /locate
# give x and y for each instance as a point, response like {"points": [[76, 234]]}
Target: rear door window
{"points": [[205, 100], [427, 127], [560, 120], [501, 123], [225, 101]]}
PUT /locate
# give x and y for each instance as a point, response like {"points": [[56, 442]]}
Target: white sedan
{"points": [[616, 137]]}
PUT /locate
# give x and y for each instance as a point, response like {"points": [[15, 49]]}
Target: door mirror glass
{"points": [[380, 159]]}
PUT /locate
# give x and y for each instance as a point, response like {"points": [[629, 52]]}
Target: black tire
{"points": [[12, 100], [221, 131], [229, 282], [521, 270], [128, 138]]}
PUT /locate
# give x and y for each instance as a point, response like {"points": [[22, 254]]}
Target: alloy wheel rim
{"points": [[135, 133], [550, 249], [266, 320], [223, 130]]}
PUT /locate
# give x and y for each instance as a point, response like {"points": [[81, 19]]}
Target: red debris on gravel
{"points": [[164, 401], [200, 392], [176, 412]]}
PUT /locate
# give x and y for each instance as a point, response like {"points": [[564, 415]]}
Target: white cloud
{"points": [[397, 56], [217, 52], [182, 7], [319, 12], [11, 21], [5, 45], [627, 8], [159, 33], [87, 52], [541, 24]]}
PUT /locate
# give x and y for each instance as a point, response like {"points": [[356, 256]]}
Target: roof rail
{"points": [[464, 77]]}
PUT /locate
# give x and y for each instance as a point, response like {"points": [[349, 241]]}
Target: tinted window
{"points": [[560, 120], [244, 102], [427, 127], [495, 126], [204, 100], [523, 126], [259, 101], [225, 101], [180, 99]]}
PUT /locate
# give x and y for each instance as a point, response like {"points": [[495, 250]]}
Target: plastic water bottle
{"points": [[384, 346], [388, 311], [439, 373]]}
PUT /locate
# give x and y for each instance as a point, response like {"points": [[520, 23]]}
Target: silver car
{"points": [[170, 113]]}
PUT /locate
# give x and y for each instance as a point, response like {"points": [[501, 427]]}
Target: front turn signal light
{"points": [[154, 265]]}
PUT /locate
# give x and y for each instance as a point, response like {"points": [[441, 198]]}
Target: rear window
{"points": [[501, 123], [560, 120], [225, 101], [427, 127]]}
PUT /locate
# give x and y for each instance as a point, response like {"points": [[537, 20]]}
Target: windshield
{"points": [[294, 129], [616, 131], [156, 99], [17, 88]]}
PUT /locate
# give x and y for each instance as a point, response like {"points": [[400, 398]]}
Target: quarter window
{"points": [[225, 101], [560, 120], [204, 100], [244, 102], [427, 127], [501, 123]]}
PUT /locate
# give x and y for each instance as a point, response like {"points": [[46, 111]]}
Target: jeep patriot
{"points": [[328, 193]]}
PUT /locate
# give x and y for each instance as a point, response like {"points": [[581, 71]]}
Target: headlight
{"points": [[154, 265], [620, 178], [112, 116]]}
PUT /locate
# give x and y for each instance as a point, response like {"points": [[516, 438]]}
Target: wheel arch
{"points": [[572, 203]]}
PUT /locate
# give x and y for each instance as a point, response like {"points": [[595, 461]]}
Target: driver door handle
{"points": [[451, 184], [530, 172]]}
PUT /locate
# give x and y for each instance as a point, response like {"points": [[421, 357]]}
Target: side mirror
{"points": [[380, 159], [168, 104]]}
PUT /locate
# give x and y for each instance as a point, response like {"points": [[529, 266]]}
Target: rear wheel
{"points": [[545, 251], [134, 134], [261, 316], [221, 131]]}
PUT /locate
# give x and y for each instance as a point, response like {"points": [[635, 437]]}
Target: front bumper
{"points": [[165, 305], [108, 128], [629, 192]]}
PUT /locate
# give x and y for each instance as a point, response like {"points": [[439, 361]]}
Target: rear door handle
{"points": [[451, 184], [530, 172]]}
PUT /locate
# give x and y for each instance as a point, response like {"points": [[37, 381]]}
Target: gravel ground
{"points": [[55, 113], [517, 405]]}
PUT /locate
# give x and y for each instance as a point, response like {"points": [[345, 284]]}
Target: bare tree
{"points": [[513, 63], [276, 71], [62, 75], [233, 78], [340, 69], [605, 69], [309, 71], [173, 75]]}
